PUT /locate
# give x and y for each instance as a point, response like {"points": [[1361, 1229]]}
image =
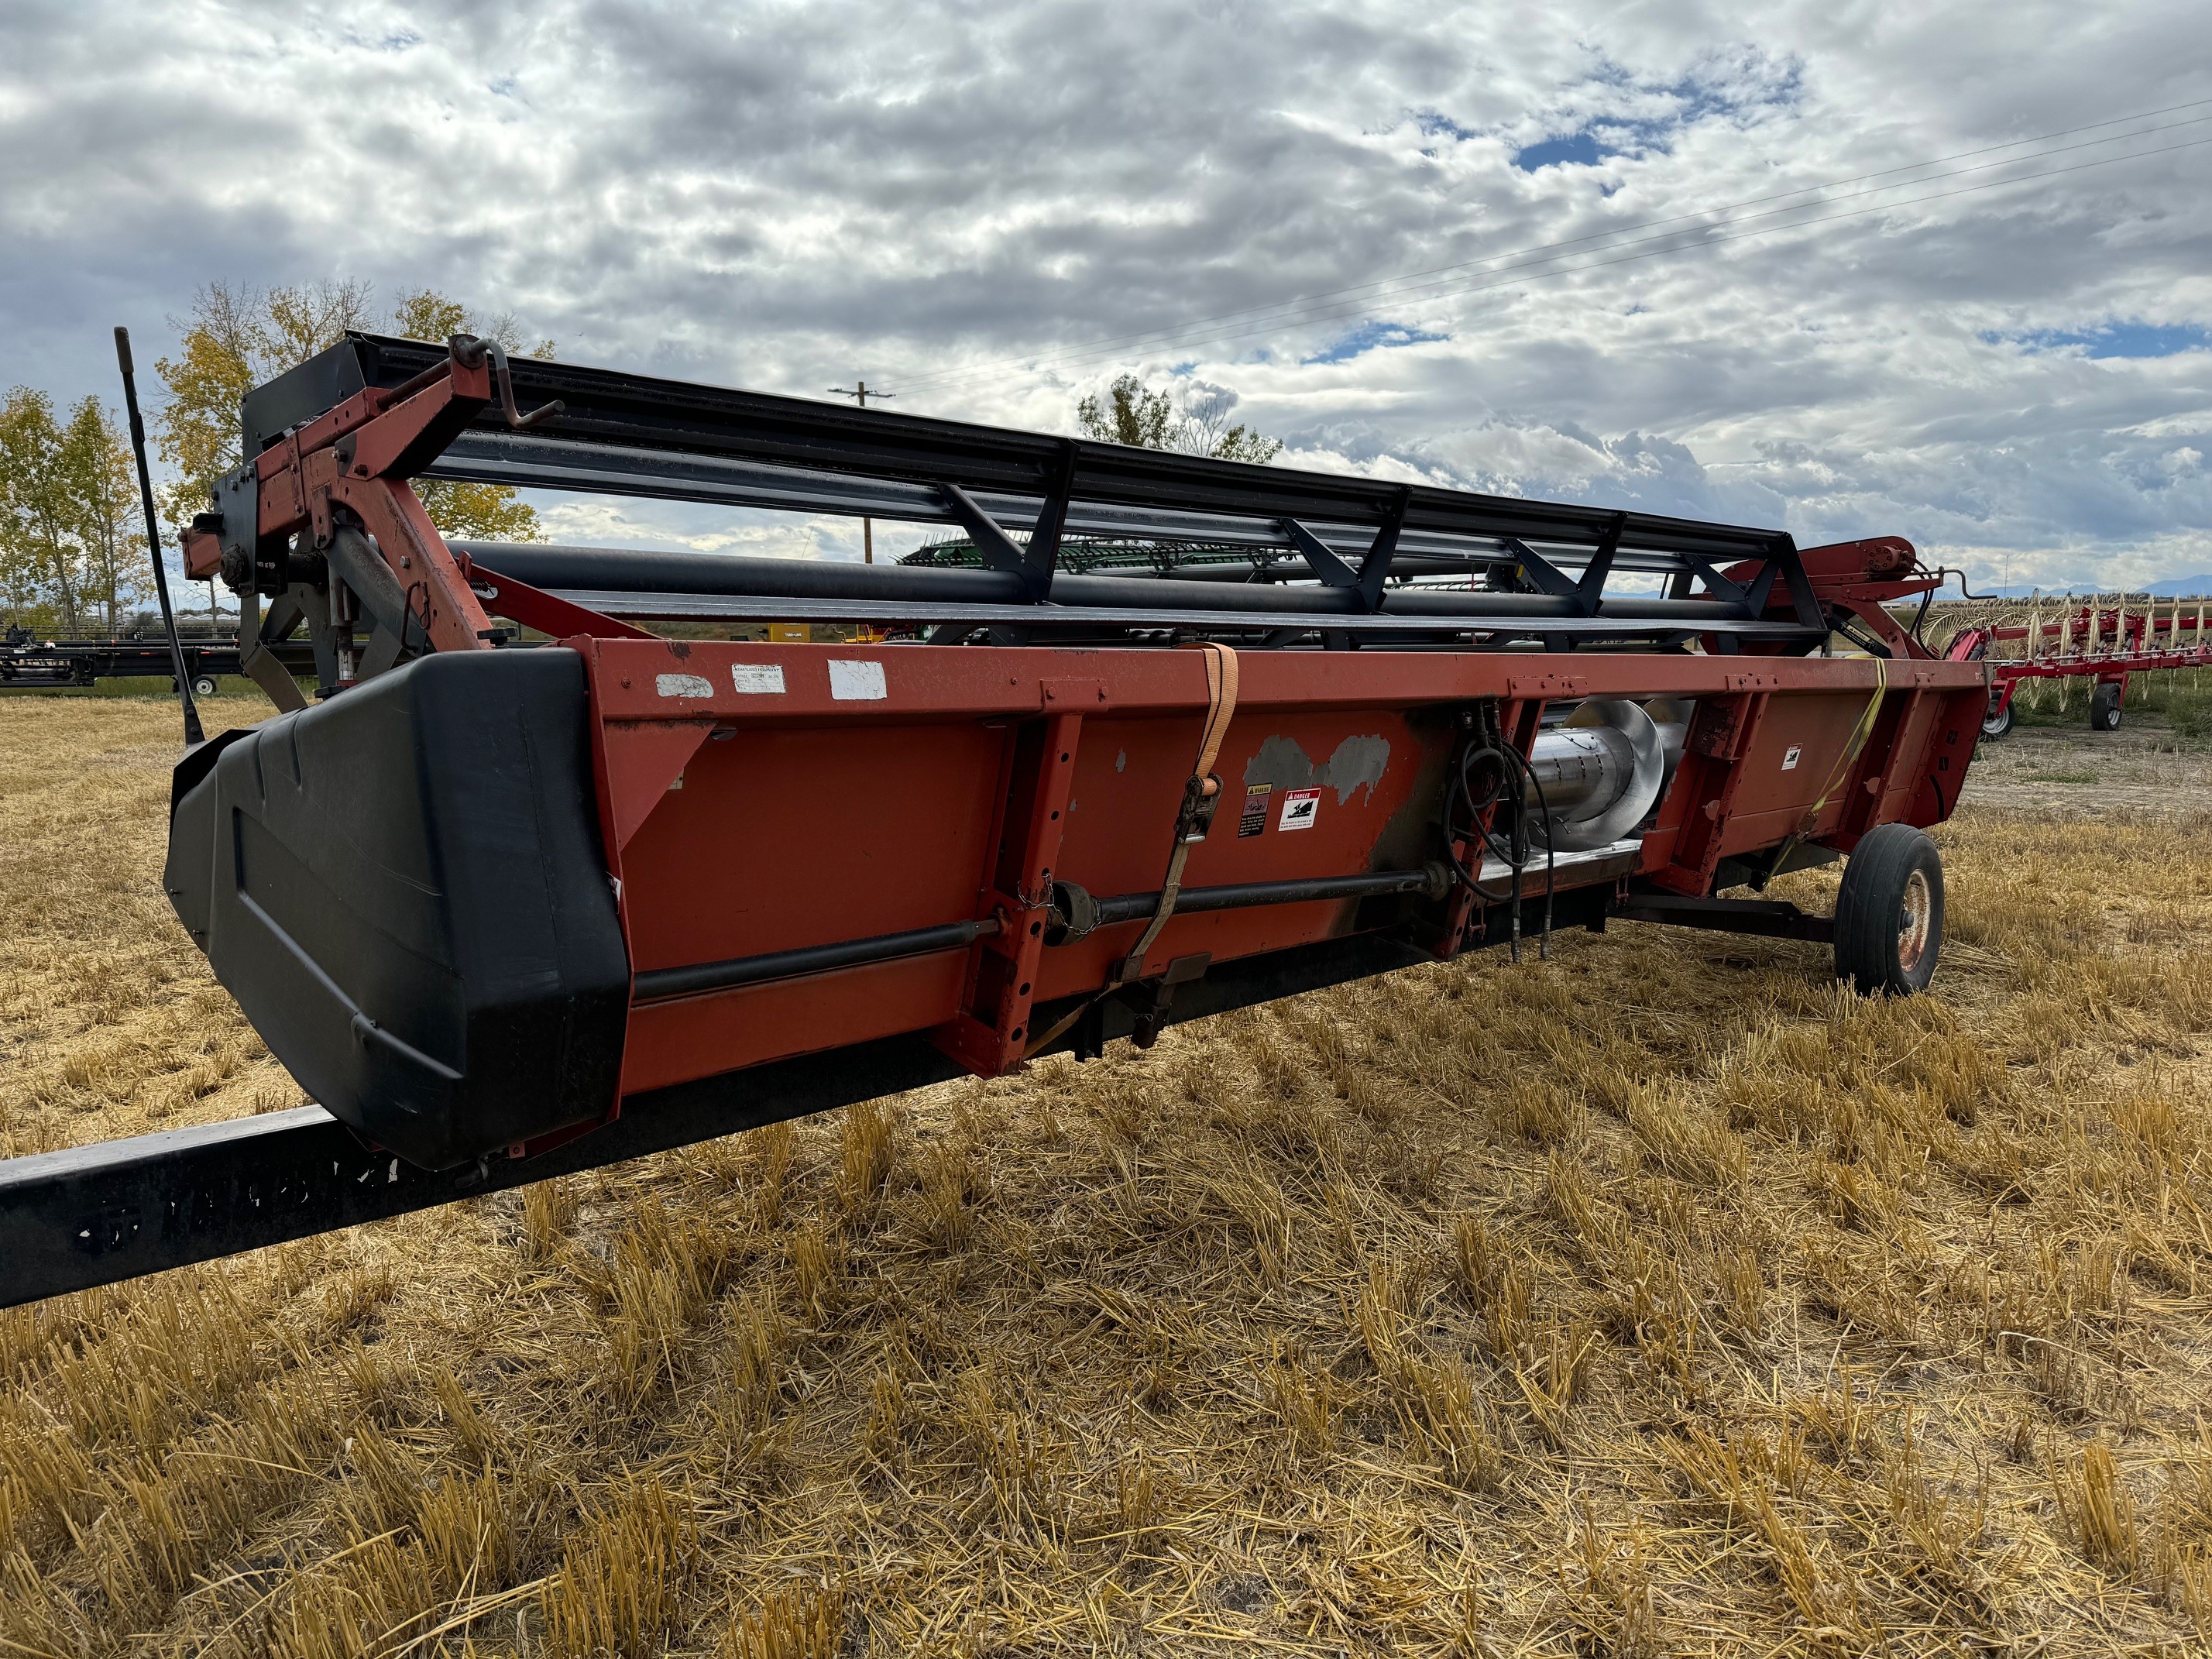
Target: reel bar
{"points": [[619, 418], [621, 582], [1319, 543], [537, 461]]}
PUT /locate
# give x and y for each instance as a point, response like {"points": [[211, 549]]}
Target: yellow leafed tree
{"points": [[68, 543], [103, 505], [237, 337]]}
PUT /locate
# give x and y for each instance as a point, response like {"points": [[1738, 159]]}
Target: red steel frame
{"points": [[980, 776], [755, 798]]}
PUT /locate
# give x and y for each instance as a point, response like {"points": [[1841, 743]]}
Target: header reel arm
{"points": [[324, 522]]}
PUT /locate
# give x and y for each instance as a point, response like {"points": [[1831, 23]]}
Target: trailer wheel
{"points": [[1998, 721], [203, 686], [1889, 912], [2105, 706]]}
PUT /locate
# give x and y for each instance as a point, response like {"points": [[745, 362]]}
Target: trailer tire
{"points": [[1997, 721], [2105, 706], [203, 686], [1889, 912]]}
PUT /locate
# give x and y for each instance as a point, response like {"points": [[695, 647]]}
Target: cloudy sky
{"points": [[1495, 246]]}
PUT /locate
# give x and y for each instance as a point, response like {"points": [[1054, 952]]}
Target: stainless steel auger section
{"points": [[1600, 773]]}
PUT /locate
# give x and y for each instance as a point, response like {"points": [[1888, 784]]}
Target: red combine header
{"points": [[510, 908]]}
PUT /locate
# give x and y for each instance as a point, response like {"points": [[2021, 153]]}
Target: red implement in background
{"points": [[2085, 641]]}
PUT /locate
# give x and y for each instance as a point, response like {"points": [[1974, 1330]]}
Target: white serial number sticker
{"points": [[1301, 807], [755, 679], [857, 682], [683, 685]]}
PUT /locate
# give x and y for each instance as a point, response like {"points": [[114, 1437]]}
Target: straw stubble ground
{"points": [[1661, 1299]]}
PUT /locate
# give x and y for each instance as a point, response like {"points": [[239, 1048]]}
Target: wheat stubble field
{"points": [[1659, 1300]]}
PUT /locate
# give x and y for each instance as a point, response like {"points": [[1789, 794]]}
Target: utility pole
{"points": [[858, 391]]}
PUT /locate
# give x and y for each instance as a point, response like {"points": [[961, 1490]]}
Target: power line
{"points": [[1290, 311]]}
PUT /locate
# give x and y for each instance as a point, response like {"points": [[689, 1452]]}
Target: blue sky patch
{"points": [[1577, 149], [1753, 85], [2114, 339], [1372, 336]]}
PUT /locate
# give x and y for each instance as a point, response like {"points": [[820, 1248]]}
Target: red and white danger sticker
{"points": [[1300, 808]]}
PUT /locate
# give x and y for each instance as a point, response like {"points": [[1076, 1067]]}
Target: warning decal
{"points": [[1256, 810], [1300, 808], [1790, 758]]}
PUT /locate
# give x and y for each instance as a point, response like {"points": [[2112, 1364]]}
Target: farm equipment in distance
{"points": [[27, 660], [508, 912], [2084, 641]]}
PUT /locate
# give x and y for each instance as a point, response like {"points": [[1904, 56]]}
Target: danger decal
{"points": [[1300, 808]]}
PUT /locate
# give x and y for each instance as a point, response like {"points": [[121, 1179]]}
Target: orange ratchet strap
{"points": [[1201, 795]]}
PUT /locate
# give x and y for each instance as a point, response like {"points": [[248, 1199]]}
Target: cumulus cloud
{"points": [[950, 199]]}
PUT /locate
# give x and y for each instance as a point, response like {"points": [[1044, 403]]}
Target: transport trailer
{"points": [[2085, 640], [506, 913], [26, 660]]}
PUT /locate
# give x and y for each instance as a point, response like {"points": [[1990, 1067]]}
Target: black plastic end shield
{"points": [[404, 890]]}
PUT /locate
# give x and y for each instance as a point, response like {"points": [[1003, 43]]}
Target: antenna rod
{"points": [[194, 737]]}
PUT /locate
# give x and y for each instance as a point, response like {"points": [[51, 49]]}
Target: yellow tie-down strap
{"points": [[1852, 750]]}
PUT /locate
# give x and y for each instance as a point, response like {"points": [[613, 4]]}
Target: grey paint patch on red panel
{"points": [[1279, 763], [1358, 763]]}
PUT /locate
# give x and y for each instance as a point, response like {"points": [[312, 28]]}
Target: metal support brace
{"points": [[1043, 552], [999, 550], [1374, 568], [1320, 557], [1591, 589], [1537, 569], [1783, 553], [1723, 590]]}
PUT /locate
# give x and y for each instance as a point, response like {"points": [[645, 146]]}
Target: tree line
{"points": [[72, 543], [1193, 420], [70, 554]]}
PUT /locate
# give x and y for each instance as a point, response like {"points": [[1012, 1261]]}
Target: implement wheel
{"points": [[2105, 706], [1889, 912], [203, 686], [1998, 720]]}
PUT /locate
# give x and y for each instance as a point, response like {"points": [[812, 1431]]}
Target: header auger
{"points": [[529, 889]]}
